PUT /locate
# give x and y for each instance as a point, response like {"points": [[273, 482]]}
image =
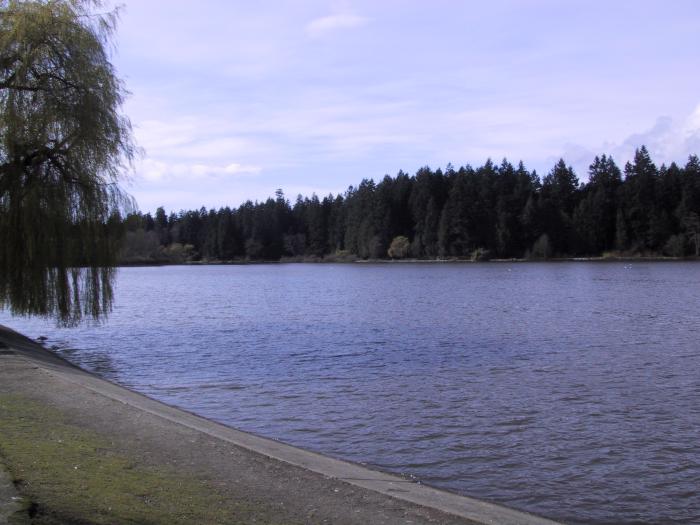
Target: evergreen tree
{"points": [[596, 215], [336, 224], [559, 198], [316, 219], [639, 199], [455, 221], [688, 211]]}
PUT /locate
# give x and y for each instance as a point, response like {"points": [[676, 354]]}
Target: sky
{"points": [[231, 100]]}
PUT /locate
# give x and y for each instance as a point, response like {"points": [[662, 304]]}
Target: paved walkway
{"points": [[9, 499], [299, 485]]}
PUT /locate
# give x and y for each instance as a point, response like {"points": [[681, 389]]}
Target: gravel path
{"points": [[9, 499]]}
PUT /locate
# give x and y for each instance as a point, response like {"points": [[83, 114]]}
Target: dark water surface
{"points": [[571, 390]]}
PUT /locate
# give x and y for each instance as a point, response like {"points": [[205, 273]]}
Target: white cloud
{"points": [[235, 168], [158, 171], [224, 147], [154, 135], [327, 24], [691, 132], [183, 149], [692, 124], [668, 140], [151, 170], [664, 136]]}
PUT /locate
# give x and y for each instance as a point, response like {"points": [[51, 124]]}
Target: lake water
{"points": [[571, 390]]}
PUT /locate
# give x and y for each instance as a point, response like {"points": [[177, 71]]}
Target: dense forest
{"points": [[494, 211]]}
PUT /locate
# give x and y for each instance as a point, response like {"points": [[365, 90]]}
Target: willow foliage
{"points": [[63, 145]]}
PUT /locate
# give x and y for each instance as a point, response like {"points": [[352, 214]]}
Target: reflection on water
{"points": [[570, 390]]}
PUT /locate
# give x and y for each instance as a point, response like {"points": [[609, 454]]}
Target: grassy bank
{"points": [[67, 474]]}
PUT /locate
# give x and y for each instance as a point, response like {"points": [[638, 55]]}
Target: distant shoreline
{"points": [[331, 260]]}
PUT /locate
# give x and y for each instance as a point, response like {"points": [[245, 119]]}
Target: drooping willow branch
{"points": [[64, 145]]}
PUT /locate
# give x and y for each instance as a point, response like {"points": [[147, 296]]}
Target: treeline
{"points": [[493, 211]]}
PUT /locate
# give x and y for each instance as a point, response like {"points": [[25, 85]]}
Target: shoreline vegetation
{"points": [[493, 212], [332, 259]]}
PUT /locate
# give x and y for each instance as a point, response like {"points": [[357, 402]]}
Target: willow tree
{"points": [[64, 144]]}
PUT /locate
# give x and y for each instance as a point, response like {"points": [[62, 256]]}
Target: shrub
{"points": [[399, 247]]}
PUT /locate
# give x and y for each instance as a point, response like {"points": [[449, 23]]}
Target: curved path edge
{"points": [[393, 486]]}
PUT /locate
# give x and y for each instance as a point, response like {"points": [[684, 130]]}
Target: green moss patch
{"points": [[71, 475]]}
